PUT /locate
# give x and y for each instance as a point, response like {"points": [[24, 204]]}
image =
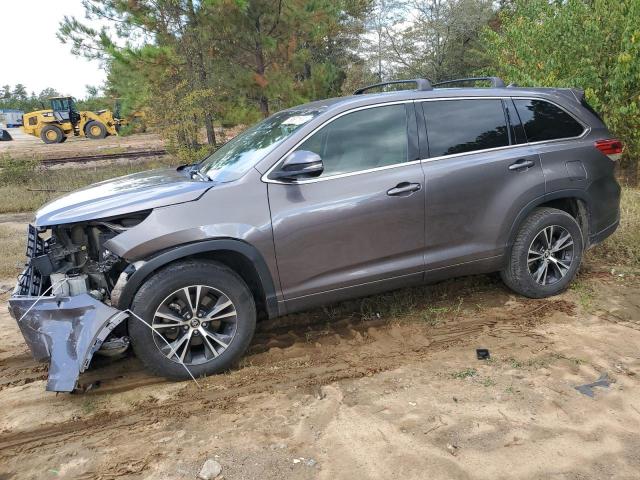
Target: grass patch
{"points": [[585, 293], [466, 373], [392, 304], [13, 241], [623, 247], [488, 382], [88, 406], [433, 314], [514, 363], [16, 171], [532, 363], [25, 186]]}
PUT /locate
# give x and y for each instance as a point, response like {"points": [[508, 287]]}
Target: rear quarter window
{"points": [[544, 121]]}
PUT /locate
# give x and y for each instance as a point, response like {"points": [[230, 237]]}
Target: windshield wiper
{"points": [[195, 171]]}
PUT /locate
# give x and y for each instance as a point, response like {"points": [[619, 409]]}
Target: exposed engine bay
{"points": [[73, 260], [71, 277]]}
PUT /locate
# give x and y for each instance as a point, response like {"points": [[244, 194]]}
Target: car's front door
{"points": [[359, 227], [480, 174]]}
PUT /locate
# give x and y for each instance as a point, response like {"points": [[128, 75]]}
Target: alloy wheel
{"points": [[550, 255], [198, 323]]}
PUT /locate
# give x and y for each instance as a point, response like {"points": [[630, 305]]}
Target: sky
{"points": [[32, 55]]}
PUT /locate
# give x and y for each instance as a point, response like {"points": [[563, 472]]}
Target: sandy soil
{"points": [[329, 397], [24, 145]]}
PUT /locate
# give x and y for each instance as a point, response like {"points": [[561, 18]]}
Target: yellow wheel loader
{"points": [[64, 119], [136, 121]]}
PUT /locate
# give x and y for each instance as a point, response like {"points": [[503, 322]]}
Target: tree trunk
{"points": [[211, 133], [201, 73], [264, 106], [260, 69]]}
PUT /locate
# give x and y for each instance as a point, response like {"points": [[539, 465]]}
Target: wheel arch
{"points": [[240, 256], [574, 202]]}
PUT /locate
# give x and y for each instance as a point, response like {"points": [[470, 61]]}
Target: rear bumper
{"points": [[600, 236], [66, 331]]}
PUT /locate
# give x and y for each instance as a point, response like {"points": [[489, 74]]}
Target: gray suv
{"points": [[331, 200]]}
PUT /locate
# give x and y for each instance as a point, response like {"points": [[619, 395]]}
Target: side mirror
{"points": [[300, 164]]}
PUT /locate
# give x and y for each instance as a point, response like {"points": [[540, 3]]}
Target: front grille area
{"points": [[30, 280]]}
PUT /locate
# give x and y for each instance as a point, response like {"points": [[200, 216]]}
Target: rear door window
{"points": [[459, 126], [545, 121]]}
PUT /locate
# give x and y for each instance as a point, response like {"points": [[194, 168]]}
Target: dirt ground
{"points": [[346, 393], [24, 145]]}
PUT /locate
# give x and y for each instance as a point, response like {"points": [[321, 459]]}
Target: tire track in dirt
{"points": [[20, 370], [324, 358]]}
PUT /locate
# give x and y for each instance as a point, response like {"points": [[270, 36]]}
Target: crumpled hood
{"points": [[119, 196]]}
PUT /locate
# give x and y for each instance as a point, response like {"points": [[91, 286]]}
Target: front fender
{"points": [[137, 274]]}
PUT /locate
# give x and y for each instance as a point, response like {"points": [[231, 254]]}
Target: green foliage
{"points": [[233, 61], [623, 247], [16, 171], [18, 99], [191, 63], [441, 42], [594, 45]]}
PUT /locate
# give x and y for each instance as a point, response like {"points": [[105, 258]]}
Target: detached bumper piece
{"points": [[4, 136], [66, 331]]}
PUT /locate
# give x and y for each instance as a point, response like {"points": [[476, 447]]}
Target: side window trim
{"points": [[411, 124], [423, 137], [413, 141], [515, 123], [507, 119]]}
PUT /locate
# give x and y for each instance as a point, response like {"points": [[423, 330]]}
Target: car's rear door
{"points": [[359, 227], [480, 174]]}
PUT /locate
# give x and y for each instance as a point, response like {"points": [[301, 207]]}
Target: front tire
{"points": [[204, 311], [546, 254], [95, 130]]}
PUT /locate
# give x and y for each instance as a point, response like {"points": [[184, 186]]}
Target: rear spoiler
{"points": [[580, 97], [578, 94]]}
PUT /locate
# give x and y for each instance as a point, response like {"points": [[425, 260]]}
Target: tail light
{"points": [[611, 147]]}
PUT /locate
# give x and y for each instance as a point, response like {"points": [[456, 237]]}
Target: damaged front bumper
{"points": [[66, 331]]}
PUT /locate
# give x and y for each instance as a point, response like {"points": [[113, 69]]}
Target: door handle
{"points": [[404, 188], [521, 164]]}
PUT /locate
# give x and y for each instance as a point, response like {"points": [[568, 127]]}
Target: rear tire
{"points": [[52, 134], [95, 130], [210, 285], [546, 254]]}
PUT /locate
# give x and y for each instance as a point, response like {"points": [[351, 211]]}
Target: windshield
{"points": [[237, 156]]}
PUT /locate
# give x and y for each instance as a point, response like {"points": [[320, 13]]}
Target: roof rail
{"points": [[422, 84], [496, 82]]}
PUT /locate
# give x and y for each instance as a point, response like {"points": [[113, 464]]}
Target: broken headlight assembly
{"points": [[73, 259]]}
